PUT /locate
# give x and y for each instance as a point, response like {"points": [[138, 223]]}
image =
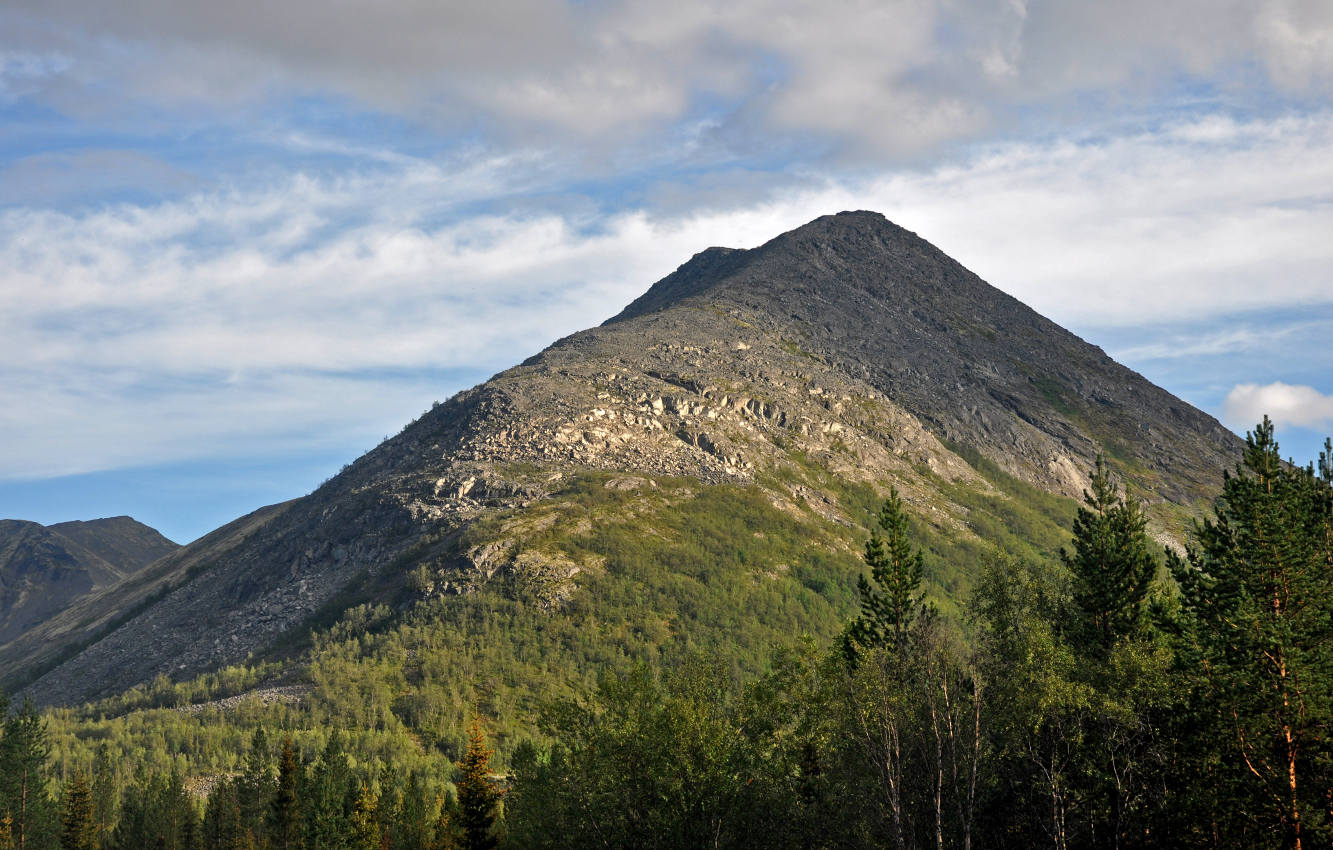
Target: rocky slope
{"points": [[848, 350], [45, 569]]}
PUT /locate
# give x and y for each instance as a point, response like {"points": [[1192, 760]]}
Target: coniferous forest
{"points": [[1118, 696]]}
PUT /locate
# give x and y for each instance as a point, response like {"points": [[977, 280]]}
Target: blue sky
{"points": [[241, 243]]}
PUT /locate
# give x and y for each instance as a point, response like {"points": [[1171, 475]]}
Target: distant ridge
{"points": [[44, 569]]}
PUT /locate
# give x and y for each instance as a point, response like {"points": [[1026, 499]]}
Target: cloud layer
{"points": [[870, 78], [339, 305]]}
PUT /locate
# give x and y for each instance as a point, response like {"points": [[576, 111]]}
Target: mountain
{"points": [[45, 569], [773, 393]]}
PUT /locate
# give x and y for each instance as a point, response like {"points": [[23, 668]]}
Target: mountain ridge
{"points": [[45, 569], [848, 350]]}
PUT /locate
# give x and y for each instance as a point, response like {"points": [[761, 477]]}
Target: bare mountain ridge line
{"points": [[847, 345]]}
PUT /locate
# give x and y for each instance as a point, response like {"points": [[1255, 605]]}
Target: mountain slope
{"points": [[798, 379], [45, 569]]}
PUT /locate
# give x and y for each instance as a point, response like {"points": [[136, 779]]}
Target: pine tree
{"points": [[326, 798], [24, 751], [477, 795], [415, 821], [891, 605], [104, 793], [285, 808], [1257, 621], [255, 788], [1111, 565], [80, 825], [365, 823]]}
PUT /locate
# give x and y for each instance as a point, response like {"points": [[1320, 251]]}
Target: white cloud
{"points": [[257, 314], [1285, 404]]}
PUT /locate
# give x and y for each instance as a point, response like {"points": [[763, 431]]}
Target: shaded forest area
{"points": [[1123, 700]]}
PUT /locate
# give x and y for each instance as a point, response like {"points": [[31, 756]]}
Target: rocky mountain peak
{"points": [[813, 254], [847, 350]]}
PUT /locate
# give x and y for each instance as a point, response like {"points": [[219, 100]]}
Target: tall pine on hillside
{"points": [[889, 605], [24, 749], [1111, 564], [80, 824], [477, 794], [285, 808], [1257, 605]]}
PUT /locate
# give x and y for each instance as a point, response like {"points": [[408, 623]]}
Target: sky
{"points": [[242, 243]]}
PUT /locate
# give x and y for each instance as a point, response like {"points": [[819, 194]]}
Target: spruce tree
{"points": [[1111, 565], [255, 788], [477, 794], [326, 798], [80, 824], [415, 822]]}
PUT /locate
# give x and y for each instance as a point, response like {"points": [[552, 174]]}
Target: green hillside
{"points": [[671, 567]]}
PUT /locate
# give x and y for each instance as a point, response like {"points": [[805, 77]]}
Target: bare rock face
{"points": [[849, 346]]}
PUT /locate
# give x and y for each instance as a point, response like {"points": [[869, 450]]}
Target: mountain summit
{"points": [[838, 359], [977, 366]]}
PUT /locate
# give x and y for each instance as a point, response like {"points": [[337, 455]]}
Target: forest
{"points": [[1120, 696]]}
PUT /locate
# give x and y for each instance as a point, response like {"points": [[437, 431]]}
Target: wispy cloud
{"points": [[1246, 335]]}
